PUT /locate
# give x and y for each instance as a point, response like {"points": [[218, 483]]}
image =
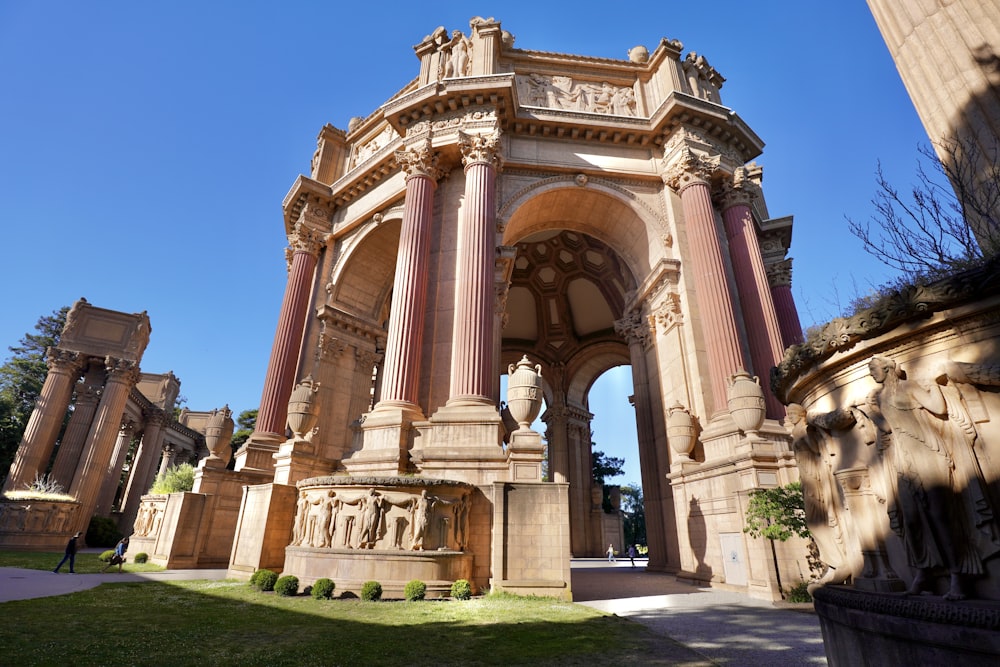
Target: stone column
{"points": [[580, 480], [555, 419], [112, 478], [90, 474], [39, 436], [401, 369], [168, 458], [256, 453], [636, 331], [689, 176], [759, 318], [143, 466], [779, 276], [75, 436], [472, 351]]}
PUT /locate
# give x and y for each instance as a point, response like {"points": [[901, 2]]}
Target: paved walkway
{"points": [[699, 626]]}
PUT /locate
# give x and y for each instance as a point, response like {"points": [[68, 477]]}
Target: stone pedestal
{"points": [[263, 530]]}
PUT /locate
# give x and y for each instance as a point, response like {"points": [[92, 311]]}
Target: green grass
{"points": [[229, 623], [86, 563]]}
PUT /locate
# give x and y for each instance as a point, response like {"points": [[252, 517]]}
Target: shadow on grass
{"points": [[226, 623]]}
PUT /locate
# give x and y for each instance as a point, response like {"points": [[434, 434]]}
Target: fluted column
{"points": [[305, 243], [779, 277], [88, 393], [143, 466], [555, 419], [759, 317], [472, 351], [112, 478], [401, 370], [39, 436], [90, 474], [635, 329], [580, 480], [689, 176]]}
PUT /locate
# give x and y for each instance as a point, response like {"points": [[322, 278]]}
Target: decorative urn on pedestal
{"points": [[680, 432], [302, 409], [524, 392], [218, 433], [746, 403]]}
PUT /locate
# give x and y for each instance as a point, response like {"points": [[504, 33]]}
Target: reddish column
{"points": [[401, 367], [689, 177], [75, 436], [273, 411], [91, 473], [759, 317], [39, 436], [779, 275], [146, 458], [109, 488], [472, 352]]}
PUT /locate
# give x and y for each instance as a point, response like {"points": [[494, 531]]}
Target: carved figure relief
{"points": [[455, 55], [703, 79], [372, 146], [561, 92]]}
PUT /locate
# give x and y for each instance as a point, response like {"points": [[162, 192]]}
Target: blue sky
{"points": [[145, 149]]}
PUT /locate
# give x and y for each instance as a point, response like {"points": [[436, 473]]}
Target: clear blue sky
{"points": [[145, 149]]}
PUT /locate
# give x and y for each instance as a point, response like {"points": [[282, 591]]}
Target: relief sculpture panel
{"points": [[562, 92]]}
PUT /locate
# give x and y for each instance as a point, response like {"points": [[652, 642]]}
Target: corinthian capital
{"points": [[306, 239], [689, 168], [738, 190], [480, 148], [63, 361], [419, 159], [779, 274], [125, 371], [634, 328]]}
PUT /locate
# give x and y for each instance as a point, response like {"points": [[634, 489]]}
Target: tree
{"points": [[777, 514], [949, 221], [245, 425], [634, 510], [21, 380], [604, 466]]}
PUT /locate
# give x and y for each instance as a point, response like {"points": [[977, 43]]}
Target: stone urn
{"points": [[746, 402], [524, 392], [218, 434], [302, 409], [681, 431]]}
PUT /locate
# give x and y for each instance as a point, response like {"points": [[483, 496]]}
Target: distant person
{"points": [[118, 557], [70, 554], [611, 553], [632, 553]]}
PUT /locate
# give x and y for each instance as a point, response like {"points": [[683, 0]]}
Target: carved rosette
{"points": [[315, 214], [779, 274], [419, 159], [634, 329], [480, 148], [690, 168]]}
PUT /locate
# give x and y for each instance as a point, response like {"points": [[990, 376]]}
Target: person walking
{"points": [[632, 553], [70, 554], [611, 553], [118, 558]]}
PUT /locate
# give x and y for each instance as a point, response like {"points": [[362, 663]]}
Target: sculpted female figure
{"points": [[934, 524]]}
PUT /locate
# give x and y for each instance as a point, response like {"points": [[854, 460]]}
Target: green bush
{"points": [[102, 532], [322, 589], [105, 556], [264, 580], [461, 589], [176, 478], [287, 586], [140, 557], [799, 593], [415, 590], [371, 591]]}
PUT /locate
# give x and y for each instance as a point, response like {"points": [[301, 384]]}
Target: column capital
{"points": [[63, 361], [668, 314], [689, 168], [155, 416], [737, 190], [779, 274], [307, 239], [420, 159], [634, 328], [481, 149], [125, 371]]}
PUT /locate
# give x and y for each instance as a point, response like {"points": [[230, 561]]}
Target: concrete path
{"points": [[698, 626]]}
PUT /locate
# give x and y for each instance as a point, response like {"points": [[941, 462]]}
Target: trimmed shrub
{"points": [[415, 590], [322, 589], [102, 532], [798, 593], [140, 557], [105, 556], [174, 479], [461, 589], [288, 585], [264, 580], [371, 591]]}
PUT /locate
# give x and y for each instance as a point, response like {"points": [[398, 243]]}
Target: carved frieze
{"points": [[562, 92], [473, 118], [362, 152]]}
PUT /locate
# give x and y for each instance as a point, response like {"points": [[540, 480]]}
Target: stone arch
{"points": [[362, 277]]}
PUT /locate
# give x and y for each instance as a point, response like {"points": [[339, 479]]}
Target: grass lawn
{"points": [[86, 562], [227, 623]]}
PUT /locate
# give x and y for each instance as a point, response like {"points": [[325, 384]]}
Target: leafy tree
{"points": [[176, 478], [604, 466], [634, 510], [21, 380], [950, 219], [777, 513]]}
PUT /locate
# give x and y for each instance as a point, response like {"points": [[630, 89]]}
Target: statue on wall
{"points": [[939, 506], [421, 508]]}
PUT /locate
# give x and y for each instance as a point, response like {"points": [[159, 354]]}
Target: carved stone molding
{"points": [[668, 314], [634, 328], [779, 274], [329, 348], [476, 118], [480, 148], [420, 159], [689, 168]]}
